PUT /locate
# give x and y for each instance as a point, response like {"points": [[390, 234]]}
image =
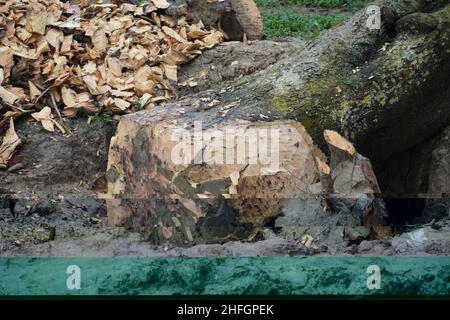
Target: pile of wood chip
{"points": [[58, 59]]}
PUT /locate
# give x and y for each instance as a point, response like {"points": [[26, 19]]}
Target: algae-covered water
{"points": [[405, 276]]}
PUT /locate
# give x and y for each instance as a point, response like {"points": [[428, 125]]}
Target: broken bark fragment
{"points": [[355, 187], [350, 206]]}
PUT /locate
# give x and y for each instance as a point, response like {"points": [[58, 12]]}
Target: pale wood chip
{"points": [[121, 104], [8, 96], [9, 145], [69, 96], [115, 66], [161, 4], [39, 22], [55, 38], [34, 91], [171, 72], [173, 34], [100, 41]]}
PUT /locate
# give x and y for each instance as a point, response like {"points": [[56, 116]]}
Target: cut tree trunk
{"points": [[187, 184], [183, 185], [386, 90]]}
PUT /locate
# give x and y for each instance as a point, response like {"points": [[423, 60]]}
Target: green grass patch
{"points": [[290, 24], [101, 117], [138, 104], [355, 4]]}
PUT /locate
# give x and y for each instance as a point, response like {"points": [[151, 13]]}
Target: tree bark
{"points": [[384, 90], [231, 60]]}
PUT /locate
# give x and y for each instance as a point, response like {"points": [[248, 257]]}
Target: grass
{"points": [[101, 117], [282, 18], [282, 23], [138, 104], [354, 4]]}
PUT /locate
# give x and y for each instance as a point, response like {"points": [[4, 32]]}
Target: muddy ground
{"points": [[48, 208]]}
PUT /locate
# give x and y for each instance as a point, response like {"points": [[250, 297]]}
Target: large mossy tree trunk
{"points": [[386, 90]]}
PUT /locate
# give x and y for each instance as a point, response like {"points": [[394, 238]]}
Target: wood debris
{"points": [[9, 145], [92, 58]]}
